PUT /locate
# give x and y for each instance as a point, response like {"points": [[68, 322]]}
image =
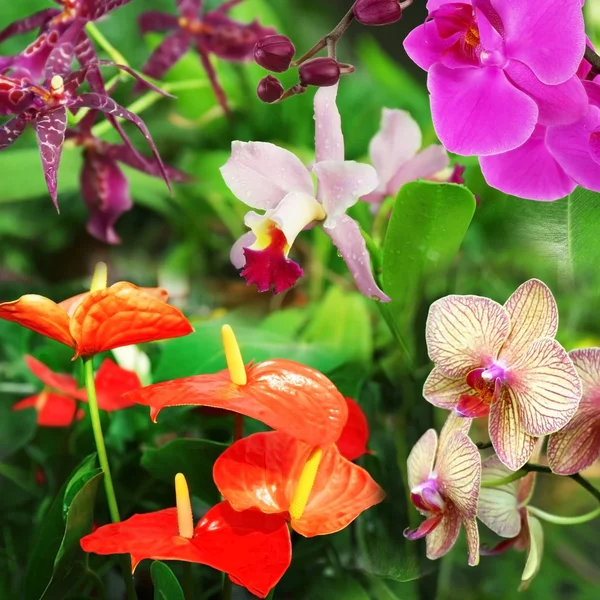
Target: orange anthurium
{"points": [[105, 318], [283, 394], [253, 548], [352, 444]]}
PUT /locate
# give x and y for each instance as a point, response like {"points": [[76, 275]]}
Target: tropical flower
{"points": [[210, 33], [269, 178], [489, 75], [577, 445], [503, 361], [254, 549], [394, 153], [354, 438], [98, 321], [444, 480], [56, 404], [504, 510]]}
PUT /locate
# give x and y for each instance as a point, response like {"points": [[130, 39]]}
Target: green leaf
{"points": [[583, 228], [426, 229], [326, 588], [57, 564], [193, 458], [17, 428], [166, 586]]}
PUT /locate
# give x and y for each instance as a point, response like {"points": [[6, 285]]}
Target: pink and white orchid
{"points": [[577, 445], [394, 152], [444, 483], [274, 180], [503, 361], [504, 510]]}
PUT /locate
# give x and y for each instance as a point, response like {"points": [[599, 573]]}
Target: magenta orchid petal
{"points": [[341, 184], [530, 30], [465, 332], [427, 164], [425, 46], [329, 139], [238, 260], [135, 160], [421, 459], [464, 102], [529, 171], [31, 23], [103, 7], [155, 20], [513, 445], [11, 131], [262, 174], [443, 537], [348, 239], [533, 315], [443, 391], [425, 528], [535, 551], [50, 128], [166, 54], [595, 146], [212, 77], [61, 58], [189, 8]]}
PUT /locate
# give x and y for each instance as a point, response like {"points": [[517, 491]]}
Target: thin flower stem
{"points": [[484, 445], [188, 581], [504, 480], [558, 520], [227, 588], [99, 38], [584, 483], [593, 59], [238, 427], [381, 219], [113, 509]]}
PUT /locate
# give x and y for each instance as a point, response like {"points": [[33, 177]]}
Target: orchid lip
{"points": [[493, 373]]}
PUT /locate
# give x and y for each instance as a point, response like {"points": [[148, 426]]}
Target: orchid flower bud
{"points": [[377, 12], [322, 72], [274, 53], [269, 89]]}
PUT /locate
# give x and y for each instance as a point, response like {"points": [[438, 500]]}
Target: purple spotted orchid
{"points": [[444, 479], [489, 74], [71, 18], [394, 152], [577, 445], [504, 510], [503, 361], [266, 177], [210, 33], [104, 186]]}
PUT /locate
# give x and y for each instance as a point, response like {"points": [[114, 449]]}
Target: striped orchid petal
{"points": [[511, 442], [545, 386], [454, 422], [472, 532], [421, 459], [577, 445], [443, 391], [464, 333], [534, 554], [533, 315], [442, 538]]}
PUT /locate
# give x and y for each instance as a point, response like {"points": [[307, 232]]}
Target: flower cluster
{"points": [[301, 472], [502, 362], [496, 93]]}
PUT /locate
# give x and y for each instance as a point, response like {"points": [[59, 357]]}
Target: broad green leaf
{"points": [[583, 219], [426, 229], [56, 561], [326, 588], [288, 321], [17, 428], [193, 458], [166, 586]]}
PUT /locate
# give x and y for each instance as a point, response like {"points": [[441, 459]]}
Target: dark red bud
{"points": [[377, 12], [269, 89], [274, 53], [321, 72]]}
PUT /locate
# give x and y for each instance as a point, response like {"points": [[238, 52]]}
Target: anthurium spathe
{"points": [[503, 361], [503, 509], [444, 477], [354, 438], [254, 549], [268, 178], [100, 320], [577, 445]]}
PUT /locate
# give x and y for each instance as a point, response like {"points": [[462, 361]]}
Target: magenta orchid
{"points": [[490, 74], [444, 480], [503, 361], [394, 153], [269, 178], [504, 510], [577, 445], [210, 33]]}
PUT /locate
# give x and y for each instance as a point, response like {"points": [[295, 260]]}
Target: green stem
{"points": [[558, 520], [504, 480], [271, 594], [584, 483], [238, 427], [381, 219], [188, 581], [113, 509], [99, 38], [227, 588]]}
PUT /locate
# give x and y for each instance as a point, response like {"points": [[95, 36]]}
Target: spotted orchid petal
{"points": [[329, 140], [443, 391], [189, 8], [262, 174], [283, 394], [348, 239], [28, 24], [11, 131], [533, 315], [353, 440], [545, 386], [499, 506], [535, 551], [421, 459], [512, 443], [439, 541], [341, 184], [577, 445], [166, 54], [464, 333], [100, 8], [154, 20]]}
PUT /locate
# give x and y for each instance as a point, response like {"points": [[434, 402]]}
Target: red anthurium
{"points": [[106, 318], [352, 444], [253, 548]]}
